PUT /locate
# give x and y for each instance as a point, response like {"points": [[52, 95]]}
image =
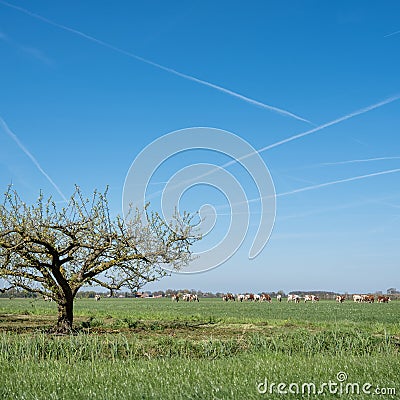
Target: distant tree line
{"points": [[15, 292]]}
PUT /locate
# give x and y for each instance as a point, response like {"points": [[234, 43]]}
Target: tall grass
{"points": [[175, 378], [82, 347]]}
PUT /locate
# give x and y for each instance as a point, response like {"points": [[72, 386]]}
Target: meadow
{"points": [[156, 348]]}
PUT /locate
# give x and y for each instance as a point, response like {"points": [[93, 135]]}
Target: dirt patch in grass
{"points": [[25, 323]]}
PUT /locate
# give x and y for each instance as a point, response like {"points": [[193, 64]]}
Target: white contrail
{"points": [[354, 178], [360, 161], [314, 187], [317, 211], [391, 34], [334, 208], [154, 64], [320, 185], [14, 137]]}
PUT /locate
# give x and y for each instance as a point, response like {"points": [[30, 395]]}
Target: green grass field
{"points": [[158, 349]]}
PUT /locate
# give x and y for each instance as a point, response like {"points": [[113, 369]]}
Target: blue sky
{"points": [[85, 111]]}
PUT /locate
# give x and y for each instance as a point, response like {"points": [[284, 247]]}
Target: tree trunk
{"points": [[65, 316]]}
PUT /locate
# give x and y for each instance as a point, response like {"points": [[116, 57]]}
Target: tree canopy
{"points": [[56, 251]]}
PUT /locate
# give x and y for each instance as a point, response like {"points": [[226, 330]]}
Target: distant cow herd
{"points": [[252, 297], [359, 298], [248, 297]]}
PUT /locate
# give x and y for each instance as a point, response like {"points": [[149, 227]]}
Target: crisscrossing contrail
{"points": [[291, 138], [154, 64], [334, 122]]}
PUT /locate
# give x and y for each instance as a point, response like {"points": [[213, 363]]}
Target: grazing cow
{"points": [[257, 297], [383, 299], [97, 297], [175, 297], [293, 297], [311, 297], [266, 297], [228, 296], [194, 297], [249, 297], [357, 298], [340, 299], [241, 297], [190, 297], [364, 298], [186, 297], [368, 298], [279, 298]]}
